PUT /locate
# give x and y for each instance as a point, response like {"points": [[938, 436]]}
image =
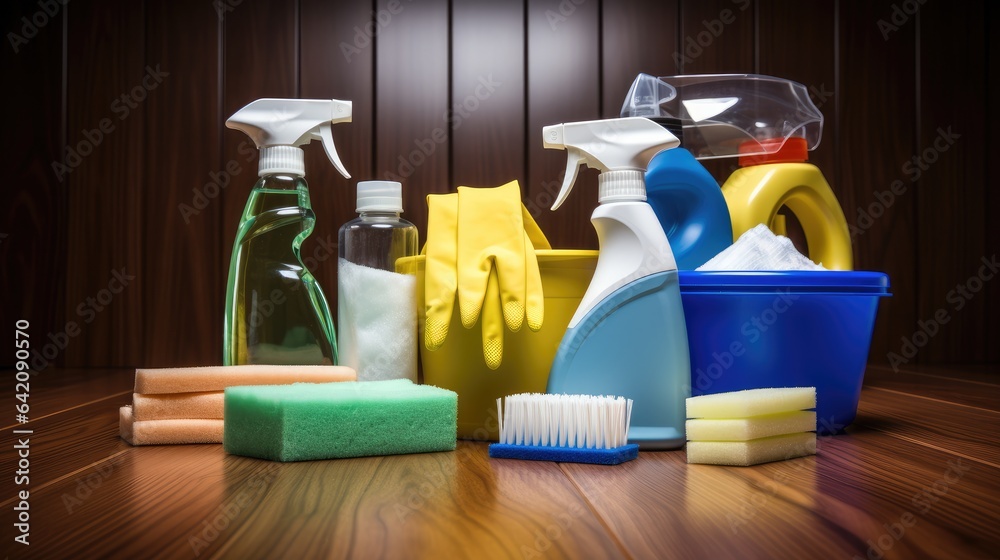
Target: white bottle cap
{"points": [[281, 159], [385, 196]]}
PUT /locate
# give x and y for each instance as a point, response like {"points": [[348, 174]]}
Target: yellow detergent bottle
{"points": [[770, 124], [765, 183]]}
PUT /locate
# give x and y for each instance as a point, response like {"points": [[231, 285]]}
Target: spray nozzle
{"points": [[729, 115], [647, 97], [610, 145], [277, 124]]}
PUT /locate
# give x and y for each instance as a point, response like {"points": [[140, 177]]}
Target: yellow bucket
{"points": [[458, 365]]}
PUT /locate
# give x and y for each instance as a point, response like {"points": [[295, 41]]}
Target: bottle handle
{"points": [[807, 194]]}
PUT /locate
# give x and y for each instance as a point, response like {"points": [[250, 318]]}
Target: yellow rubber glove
{"points": [[492, 323], [440, 267], [534, 233], [480, 243], [491, 235], [497, 269], [534, 298]]}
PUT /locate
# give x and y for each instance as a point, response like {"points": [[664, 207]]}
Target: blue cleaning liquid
{"points": [[690, 207], [642, 325]]}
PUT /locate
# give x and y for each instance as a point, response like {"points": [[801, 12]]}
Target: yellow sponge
{"points": [[746, 453], [745, 429], [752, 402]]}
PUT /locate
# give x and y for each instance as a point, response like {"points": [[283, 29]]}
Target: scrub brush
{"points": [[565, 429]]}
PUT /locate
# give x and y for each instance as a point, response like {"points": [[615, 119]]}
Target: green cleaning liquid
{"points": [[276, 313]]}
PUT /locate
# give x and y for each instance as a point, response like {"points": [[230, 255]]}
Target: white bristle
{"points": [[583, 421]]}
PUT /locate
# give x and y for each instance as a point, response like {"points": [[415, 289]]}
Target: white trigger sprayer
{"points": [[620, 149], [610, 145], [284, 123]]}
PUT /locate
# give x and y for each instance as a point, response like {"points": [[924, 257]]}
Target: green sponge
{"points": [[305, 421]]}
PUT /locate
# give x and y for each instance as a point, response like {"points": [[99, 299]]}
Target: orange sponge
{"points": [[217, 378], [170, 406], [185, 405], [156, 432]]}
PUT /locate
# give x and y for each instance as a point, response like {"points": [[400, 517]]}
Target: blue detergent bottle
{"points": [[628, 337], [684, 196]]}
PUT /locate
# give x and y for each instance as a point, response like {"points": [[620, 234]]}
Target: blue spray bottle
{"points": [[684, 196], [628, 337]]}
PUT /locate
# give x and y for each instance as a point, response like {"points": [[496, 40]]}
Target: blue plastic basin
{"points": [[748, 330]]}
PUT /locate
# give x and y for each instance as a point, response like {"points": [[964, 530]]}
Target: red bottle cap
{"points": [[781, 150]]}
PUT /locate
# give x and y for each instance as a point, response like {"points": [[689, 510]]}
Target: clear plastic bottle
{"points": [[376, 306], [275, 310]]}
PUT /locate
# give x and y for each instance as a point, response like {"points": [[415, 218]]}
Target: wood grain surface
{"points": [[865, 57], [487, 93], [991, 206], [885, 81], [105, 126], [182, 191], [415, 135], [915, 476], [35, 210], [561, 87], [971, 389], [953, 239]]}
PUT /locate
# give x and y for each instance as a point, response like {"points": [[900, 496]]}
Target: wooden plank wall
{"points": [[451, 93]]}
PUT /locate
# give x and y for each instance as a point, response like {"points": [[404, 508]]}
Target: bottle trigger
{"points": [[573, 161], [326, 136]]}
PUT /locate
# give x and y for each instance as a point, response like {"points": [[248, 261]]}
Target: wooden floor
{"points": [[917, 475]]}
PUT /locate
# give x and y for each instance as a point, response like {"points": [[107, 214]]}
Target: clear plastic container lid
{"points": [[728, 115]]}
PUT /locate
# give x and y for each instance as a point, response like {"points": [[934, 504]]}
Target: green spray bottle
{"points": [[276, 312]]}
